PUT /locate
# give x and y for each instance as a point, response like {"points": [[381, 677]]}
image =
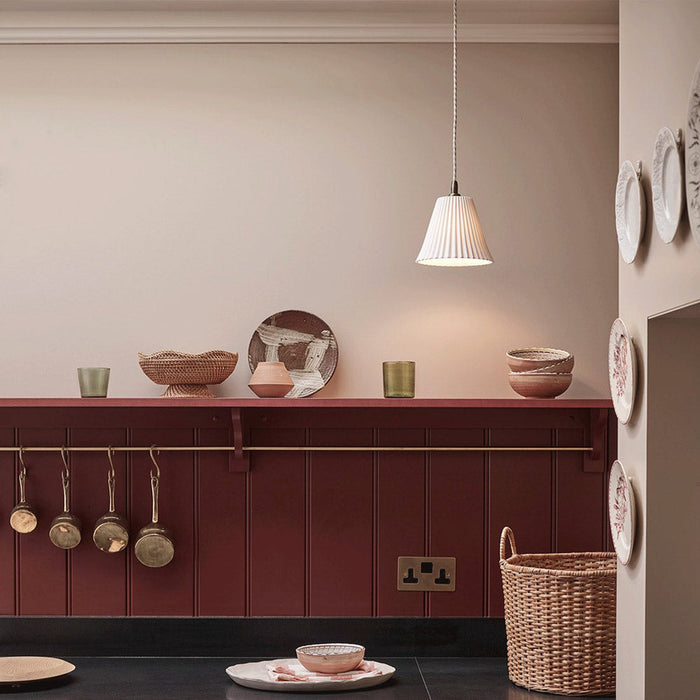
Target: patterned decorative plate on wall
{"points": [[692, 157], [621, 512], [622, 370], [304, 342]]}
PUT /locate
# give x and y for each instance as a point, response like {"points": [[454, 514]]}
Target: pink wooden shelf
{"points": [[238, 413], [229, 402]]}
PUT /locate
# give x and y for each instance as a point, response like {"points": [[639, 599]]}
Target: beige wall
{"points": [[173, 196], [658, 54], [673, 491]]}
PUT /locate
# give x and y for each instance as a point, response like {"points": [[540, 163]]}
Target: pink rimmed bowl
{"points": [[330, 658]]}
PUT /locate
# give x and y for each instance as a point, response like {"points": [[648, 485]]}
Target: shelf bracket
{"points": [[237, 458], [594, 461]]}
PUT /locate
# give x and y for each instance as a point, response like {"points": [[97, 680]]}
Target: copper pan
{"points": [[65, 527], [111, 533], [23, 517], [154, 546]]}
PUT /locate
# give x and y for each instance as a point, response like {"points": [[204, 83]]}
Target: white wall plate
{"points": [[630, 210], [667, 189]]}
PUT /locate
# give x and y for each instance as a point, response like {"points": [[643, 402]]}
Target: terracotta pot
{"points": [[270, 380]]}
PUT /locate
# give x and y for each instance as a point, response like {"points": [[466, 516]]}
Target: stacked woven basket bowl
{"points": [[540, 373]]}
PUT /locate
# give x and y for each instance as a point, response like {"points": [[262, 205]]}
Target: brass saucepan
{"points": [[111, 533], [154, 546], [65, 528], [23, 518]]}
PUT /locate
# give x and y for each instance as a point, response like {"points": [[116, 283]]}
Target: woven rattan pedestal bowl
{"points": [[188, 375]]}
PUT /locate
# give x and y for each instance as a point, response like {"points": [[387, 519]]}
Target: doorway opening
{"points": [[673, 498]]}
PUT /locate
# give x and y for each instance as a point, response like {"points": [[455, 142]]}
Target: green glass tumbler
{"points": [[93, 381], [399, 379]]}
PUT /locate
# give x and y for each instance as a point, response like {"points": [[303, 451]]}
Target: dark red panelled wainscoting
{"points": [[265, 532]]}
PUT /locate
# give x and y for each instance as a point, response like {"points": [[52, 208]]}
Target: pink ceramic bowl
{"points": [[563, 367], [330, 658], [529, 359], [539, 386]]}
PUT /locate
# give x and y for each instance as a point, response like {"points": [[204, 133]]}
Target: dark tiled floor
{"points": [[173, 678], [473, 679]]}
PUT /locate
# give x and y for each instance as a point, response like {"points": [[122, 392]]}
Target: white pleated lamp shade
{"points": [[454, 237]]}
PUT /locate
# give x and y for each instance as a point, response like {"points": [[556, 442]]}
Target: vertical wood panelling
{"points": [[168, 590], [401, 519], [9, 495], [303, 533], [457, 520], [277, 525], [98, 580], [43, 575], [579, 506], [520, 496], [222, 531], [340, 581], [609, 459]]}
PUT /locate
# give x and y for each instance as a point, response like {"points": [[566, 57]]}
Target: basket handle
{"points": [[507, 533]]}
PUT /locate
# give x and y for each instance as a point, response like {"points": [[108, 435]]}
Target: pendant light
{"points": [[454, 237]]}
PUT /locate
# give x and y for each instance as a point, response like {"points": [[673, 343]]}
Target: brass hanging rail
{"points": [[154, 448], [238, 454], [296, 448], [428, 448]]}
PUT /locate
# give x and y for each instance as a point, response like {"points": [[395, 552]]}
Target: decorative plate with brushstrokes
{"points": [[304, 342], [621, 512], [622, 370], [692, 157]]}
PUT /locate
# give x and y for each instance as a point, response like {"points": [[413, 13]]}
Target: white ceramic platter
{"points": [[255, 675], [692, 157], [15, 670], [622, 370], [667, 189], [630, 210], [621, 512]]}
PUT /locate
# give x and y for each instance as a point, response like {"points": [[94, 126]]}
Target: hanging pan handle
{"points": [[110, 480], [155, 479], [65, 478], [507, 533], [22, 476], [154, 494]]}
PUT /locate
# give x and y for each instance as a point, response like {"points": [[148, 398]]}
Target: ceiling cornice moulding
{"points": [[304, 21]]}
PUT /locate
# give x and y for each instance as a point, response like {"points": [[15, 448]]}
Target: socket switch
{"points": [[426, 574]]}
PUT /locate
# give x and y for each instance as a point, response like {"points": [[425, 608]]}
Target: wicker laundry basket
{"points": [[560, 620]]}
